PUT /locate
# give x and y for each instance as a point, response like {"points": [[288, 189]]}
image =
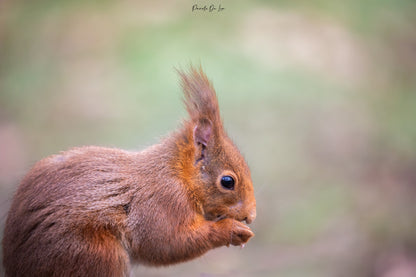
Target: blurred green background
{"points": [[320, 96]]}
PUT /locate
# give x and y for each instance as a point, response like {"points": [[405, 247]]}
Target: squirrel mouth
{"points": [[219, 217], [214, 217], [222, 216]]}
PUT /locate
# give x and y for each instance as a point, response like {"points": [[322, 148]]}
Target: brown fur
{"points": [[90, 211]]}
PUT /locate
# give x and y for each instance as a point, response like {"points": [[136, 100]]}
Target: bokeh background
{"points": [[319, 95]]}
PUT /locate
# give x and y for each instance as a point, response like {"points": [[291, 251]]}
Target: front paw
{"points": [[234, 232]]}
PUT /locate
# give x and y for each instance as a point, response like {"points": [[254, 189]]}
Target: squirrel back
{"points": [[89, 211]]}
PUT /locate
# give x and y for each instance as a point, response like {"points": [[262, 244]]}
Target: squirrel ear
{"points": [[203, 132]]}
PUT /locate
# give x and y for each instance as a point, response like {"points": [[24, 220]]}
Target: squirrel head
{"points": [[219, 175]]}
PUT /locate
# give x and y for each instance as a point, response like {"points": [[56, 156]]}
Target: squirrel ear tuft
{"points": [[203, 132], [199, 97]]}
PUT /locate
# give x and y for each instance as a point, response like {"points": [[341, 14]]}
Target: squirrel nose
{"points": [[251, 216]]}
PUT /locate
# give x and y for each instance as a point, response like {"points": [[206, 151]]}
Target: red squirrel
{"points": [[91, 211]]}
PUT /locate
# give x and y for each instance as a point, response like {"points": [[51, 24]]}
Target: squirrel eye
{"points": [[227, 182]]}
